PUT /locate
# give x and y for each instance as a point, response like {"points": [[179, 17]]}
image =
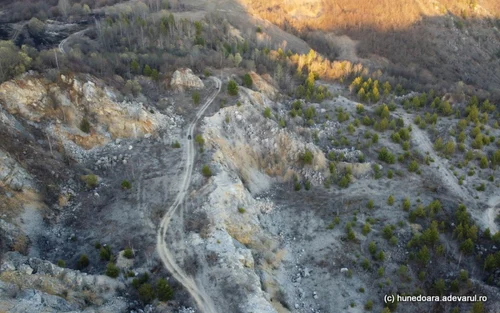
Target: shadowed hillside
{"points": [[421, 44]]}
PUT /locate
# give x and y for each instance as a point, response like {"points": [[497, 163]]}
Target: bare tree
{"points": [[64, 7]]}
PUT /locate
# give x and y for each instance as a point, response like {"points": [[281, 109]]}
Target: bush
{"points": [[267, 112], [372, 248], [90, 180], [241, 210], [61, 263], [126, 184], [206, 171], [112, 270], [163, 290], [232, 88], [85, 125], [146, 293], [386, 156], [128, 253], [307, 157], [366, 229], [199, 140], [390, 200], [105, 253], [176, 145], [83, 262], [137, 282], [370, 204], [413, 166], [196, 97], [247, 81], [406, 204]]}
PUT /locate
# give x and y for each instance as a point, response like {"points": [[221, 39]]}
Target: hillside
{"points": [[410, 41], [226, 156]]}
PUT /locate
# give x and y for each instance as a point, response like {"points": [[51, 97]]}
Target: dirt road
{"points": [[198, 293]]}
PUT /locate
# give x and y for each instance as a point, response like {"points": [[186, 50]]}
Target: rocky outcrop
{"points": [[34, 285], [184, 79], [13, 175], [63, 105]]}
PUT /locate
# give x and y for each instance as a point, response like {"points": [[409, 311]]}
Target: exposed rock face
{"points": [[34, 285], [12, 174], [185, 79], [66, 103]]}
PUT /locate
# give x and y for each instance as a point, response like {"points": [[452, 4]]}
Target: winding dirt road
{"points": [[199, 295]]}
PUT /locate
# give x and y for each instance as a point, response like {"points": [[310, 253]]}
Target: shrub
{"points": [[345, 181], [83, 262], [137, 282], [163, 290], [112, 270], [176, 145], [105, 253], [413, 166], [307, 157], [467, 247], [90, 180], [483, 163], [307, 185], [387, 232], [232, 88], [206, 171], [128, 253], [390, 200], [372, 248], [196, 97], [386, 156], [146, 293], [267, 112], [61, 263], [126, 184], [297, 186], [199, 140], [369, 305], [366, 229], [370, 204], [241, 210], [247, 80], [365, 264], [406, 204], [85, 126]]}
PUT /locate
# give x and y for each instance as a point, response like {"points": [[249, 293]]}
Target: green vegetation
{"points": [[232, 88], [112, 270], [267, 112], [307, 157], [176, 145], [90, 180], [105, 253], [146, 293], [247, 81], [386, 156], [241, 210], [390, 200], [83, 262], [163, 290], [206, 171], [128, 253], [85, 125], [61, 263], [126, 184], [196, 97]]}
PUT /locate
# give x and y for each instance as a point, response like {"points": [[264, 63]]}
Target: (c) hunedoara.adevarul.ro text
{"points": [[422, 298]]}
